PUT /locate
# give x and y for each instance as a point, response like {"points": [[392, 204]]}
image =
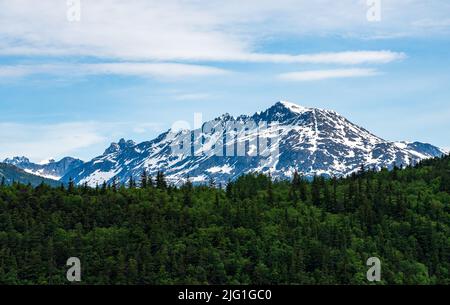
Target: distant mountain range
{"points": [[51, 169], [11, 173], [310, 140]]}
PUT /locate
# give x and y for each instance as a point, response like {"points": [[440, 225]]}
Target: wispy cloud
{"points": [[151, 69], [316, 75], [154, 70], [178, 30], [342, 58], [179, 70], [171, 39], [41, 141]]}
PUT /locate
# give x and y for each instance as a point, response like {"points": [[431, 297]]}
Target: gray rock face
{"points": [[311, 141]]}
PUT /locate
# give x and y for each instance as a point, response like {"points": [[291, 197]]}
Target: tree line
{"points": [[253, 231]]}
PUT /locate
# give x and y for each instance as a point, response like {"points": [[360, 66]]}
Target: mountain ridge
{"points": [[312, 141], [52, 169]]}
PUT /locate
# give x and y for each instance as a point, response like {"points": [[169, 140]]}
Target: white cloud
{"points": [[83, 139], [14, 71], [174, 38], [179, 70], [350, 58], [316, 75], [157, 70], [343, 58], [157, 30], [185, 30], [38, 142], [151, 69]]}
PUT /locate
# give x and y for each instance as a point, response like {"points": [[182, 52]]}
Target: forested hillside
{"points": [[254, 231]]}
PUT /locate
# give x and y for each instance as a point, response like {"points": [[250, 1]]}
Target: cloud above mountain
{"points": [[39, 141], [327, 74], [148, 70], [184, 38], [194, 30]]}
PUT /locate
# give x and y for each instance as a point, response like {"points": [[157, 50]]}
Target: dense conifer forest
{"points": [[251, 231]]}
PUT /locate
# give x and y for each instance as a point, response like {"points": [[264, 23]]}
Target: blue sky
{"points": [[132, 68]]}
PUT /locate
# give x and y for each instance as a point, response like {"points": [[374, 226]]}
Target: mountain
{"points": [[312, 141], [52, 169], [12, 173]]}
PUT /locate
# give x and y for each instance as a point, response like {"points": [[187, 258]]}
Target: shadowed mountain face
{"points": [[311, 141]]}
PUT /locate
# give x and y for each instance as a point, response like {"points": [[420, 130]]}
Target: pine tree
{"points": [[161, 181], [150, 183], [104, 187], [85, 188], [229, 190], [131, 183], [212, 183], [187, 193], [303, 189], [362, 170], [71, 186], [217, 199], [295, 184], [115, 185], [296, 180], [270, 195], [337, 205], [328, 203], [316, 192], [144, 179]]}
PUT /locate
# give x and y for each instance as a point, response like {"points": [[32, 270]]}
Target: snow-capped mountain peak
{"points": [[16, 160], [293, 107], [116, 147], [309, 140]]}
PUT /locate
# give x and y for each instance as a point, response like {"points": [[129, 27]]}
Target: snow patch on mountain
{"points": [[226, 169], [294, 107], [41, 173]]}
